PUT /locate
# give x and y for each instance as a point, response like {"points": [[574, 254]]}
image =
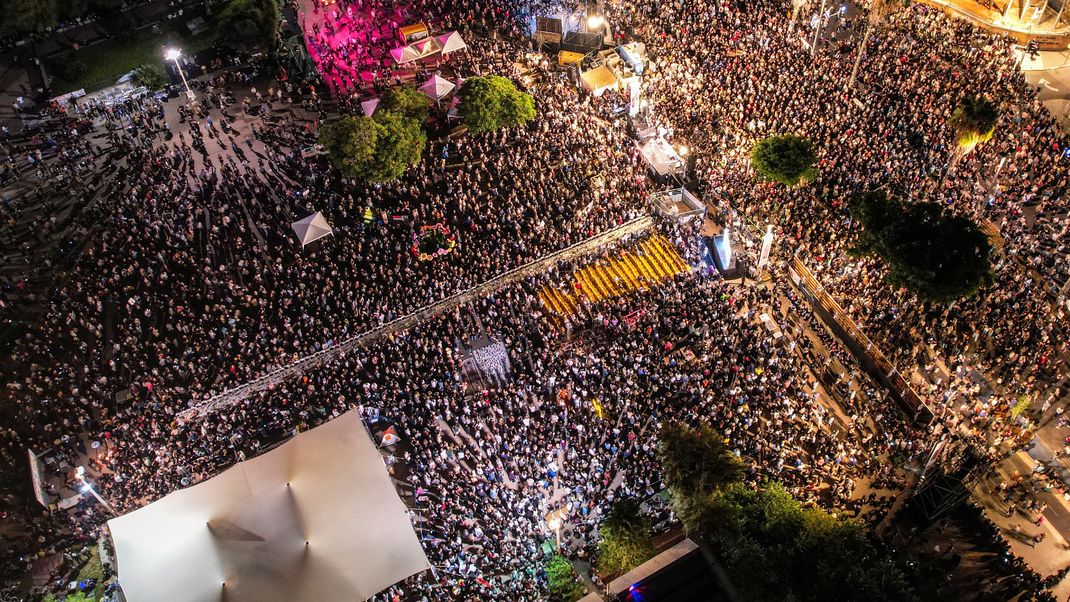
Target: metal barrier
{"points": [[318, 358], [863, 348]]}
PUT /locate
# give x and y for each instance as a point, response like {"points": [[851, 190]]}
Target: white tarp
{"points": [[436, 87], [415, 51], [312, 228], [451, 42], [314, 519], [404, 54], [369, 106]]}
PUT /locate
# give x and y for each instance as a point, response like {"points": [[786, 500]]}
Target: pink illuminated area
{"points": [[351, 44]]}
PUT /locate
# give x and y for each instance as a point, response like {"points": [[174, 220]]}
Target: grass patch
{"points": [[99, 65], [93, 569]]}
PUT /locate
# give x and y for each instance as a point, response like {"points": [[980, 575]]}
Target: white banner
{"points": [[767, 246], [37, 475]]}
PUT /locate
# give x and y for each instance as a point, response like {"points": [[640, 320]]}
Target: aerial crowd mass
{"points": [[192, 282]]}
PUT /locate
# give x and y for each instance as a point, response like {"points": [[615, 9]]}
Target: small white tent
{"points": [[404, 54], [451, 42], [437, 88], [312, 228], [369, 106]]}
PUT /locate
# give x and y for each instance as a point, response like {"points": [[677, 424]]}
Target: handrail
{"points": [[437, 308], [886, 371]]}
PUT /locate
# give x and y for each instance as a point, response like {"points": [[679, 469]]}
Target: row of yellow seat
{"points": [[651, 261]]}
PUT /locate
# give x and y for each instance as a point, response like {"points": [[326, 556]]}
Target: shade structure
{"points": [[404, 54], [312, 228], [436, 88], [415, 51], [314, 519], [369, 106], [451, 42]]}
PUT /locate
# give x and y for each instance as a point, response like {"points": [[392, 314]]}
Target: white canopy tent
{"points": [[314, 519], [437, 88], [369, 106], [451, 42], [312, 228], [415, 51], [404, 54]]}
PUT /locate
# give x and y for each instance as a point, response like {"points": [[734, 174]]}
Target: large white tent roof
{"points": [[311, 228], [315, 519]]}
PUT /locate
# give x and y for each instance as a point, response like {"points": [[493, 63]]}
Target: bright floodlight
{"points": [[595, 21], [172, 54], [683, 151]]}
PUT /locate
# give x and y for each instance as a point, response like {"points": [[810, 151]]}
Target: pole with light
{"points": [[87, 487], [820, 26], [173, 54], [682, 150]]}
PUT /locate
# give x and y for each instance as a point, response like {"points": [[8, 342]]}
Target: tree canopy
{"points": [[351, 143], [974, 122], [627, 538], [696, 462], [492, 102], [249, 25], [561, 580], [406, 101], [400, 145], [31, 15], [150, 76], [933, 253], [786, 159], [774, 549], [377, 149]]}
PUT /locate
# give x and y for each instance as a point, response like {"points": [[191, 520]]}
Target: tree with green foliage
{"points": [[351, 143], [773, 549], [150, 76], [974, 122], [696, 461], [786, 159], [377, 149], [562, 581], [492, 102], [249, 25], [627, 539], [408, 102], [399, 146], [933, 253], [695, 465], [31, 15]]}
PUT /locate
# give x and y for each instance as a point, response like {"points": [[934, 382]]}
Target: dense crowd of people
{"points": [[192, 282], [751, 79]]}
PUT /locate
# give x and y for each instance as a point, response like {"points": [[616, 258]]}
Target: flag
{"points": [[390, 437], [598, 408]]}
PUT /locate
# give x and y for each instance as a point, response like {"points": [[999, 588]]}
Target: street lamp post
{"points": [[173, 54], [682, 151], [87, 487], [817, 30]]}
